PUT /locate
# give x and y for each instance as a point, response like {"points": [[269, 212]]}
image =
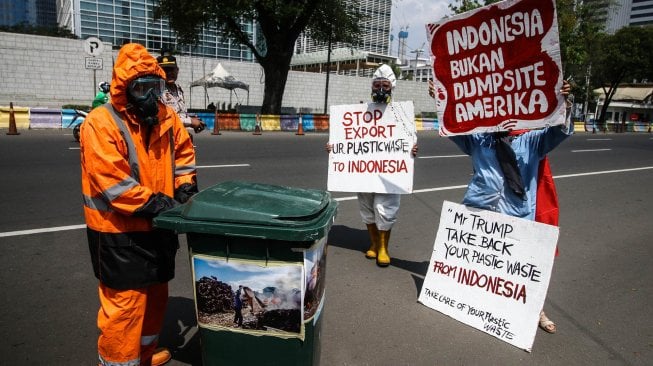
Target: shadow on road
{"points": [[358, 240], [179, 321]]}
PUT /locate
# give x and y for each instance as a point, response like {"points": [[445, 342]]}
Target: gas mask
{"points": [[381, 90], [381, 96], [143, 93]]}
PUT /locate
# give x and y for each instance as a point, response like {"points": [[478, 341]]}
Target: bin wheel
{"points": [[76, 132]]}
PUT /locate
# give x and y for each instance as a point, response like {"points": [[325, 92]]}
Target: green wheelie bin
{"points": [[258, 260]]}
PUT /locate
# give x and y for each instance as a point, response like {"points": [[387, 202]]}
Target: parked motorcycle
{"points": [[76, 122]]}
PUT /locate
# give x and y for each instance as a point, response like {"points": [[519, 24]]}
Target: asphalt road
{"points": [[600, 293]]}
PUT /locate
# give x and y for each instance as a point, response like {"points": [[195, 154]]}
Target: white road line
{"points": [[348, 198], [441, 156], [603, 172], [221, 166], [591, 150], [599, 139], [44, 230], [73, 148]]}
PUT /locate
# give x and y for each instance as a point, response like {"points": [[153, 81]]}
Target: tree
{"points": [[280, 23], [624, 56], [467, 5]]}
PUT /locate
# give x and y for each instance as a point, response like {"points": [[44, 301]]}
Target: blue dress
{"points": [[488, 190]]}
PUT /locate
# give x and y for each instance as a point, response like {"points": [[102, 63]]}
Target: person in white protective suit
{"points": [[379, 210]]}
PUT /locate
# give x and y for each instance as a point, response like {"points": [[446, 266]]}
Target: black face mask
{"points": [[381, 96], [146, 107]]}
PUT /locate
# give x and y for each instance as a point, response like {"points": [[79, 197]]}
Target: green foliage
{"points": [[622, 57], [81, 107], [342, 25], [467, 5], [279, 23], [26, 28]]}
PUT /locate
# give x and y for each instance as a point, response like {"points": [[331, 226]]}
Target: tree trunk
{"points": [[276, 66]]}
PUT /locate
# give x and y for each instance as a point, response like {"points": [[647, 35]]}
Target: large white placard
{"points": [[498, 68], [372, 146], [490, 271]]}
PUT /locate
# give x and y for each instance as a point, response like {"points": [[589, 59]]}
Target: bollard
{"points": [[216, 128], [12, 121], [257, 128], [300, 127]]}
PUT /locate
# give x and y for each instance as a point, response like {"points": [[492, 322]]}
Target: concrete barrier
{"points": [[68, 119], [289, 122], [46, 118], [321, 122], [270, 122], [307, 122], [21, 116], [247, 122]]}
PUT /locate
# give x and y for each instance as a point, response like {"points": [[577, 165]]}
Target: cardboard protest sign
{"points": [[372, 146], [498, 68], [490, 271]]}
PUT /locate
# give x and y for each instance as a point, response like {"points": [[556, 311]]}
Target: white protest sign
{"points": [[372, 146], [498, 68], [490, 271]]}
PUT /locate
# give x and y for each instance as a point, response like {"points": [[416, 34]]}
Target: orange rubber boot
{"points": [[161, 356]]}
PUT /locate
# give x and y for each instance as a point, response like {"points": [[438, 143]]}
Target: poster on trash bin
{"points": [[245, 296], [498, 68], [315, 274], [371, 147], [490, 271]]}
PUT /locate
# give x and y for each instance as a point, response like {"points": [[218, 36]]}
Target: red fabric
{"points": [[546, 204]]}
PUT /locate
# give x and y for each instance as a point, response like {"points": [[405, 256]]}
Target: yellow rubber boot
{"points": [[382, 256], [374, 241]]}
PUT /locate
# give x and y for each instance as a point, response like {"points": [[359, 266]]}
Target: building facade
{"points": [[375, 27], [39, 13], [122, 21], [622, 13]]}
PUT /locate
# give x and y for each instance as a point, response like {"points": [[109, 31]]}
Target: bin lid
{"points": [[257, 210]]}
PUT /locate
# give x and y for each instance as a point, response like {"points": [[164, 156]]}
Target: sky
{"points": [[415, 14]]}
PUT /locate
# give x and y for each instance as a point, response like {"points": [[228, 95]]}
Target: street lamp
{"points": [[417, 52]]}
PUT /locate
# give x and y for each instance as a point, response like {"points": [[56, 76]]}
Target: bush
{"points": [[85, 108]]}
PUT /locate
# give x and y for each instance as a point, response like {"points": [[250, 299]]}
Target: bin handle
{"points": [[267, 254]]}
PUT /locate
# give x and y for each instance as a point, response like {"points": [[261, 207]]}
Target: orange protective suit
{"points": [[130, 172]]}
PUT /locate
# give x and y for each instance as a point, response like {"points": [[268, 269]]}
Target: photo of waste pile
{"points": [[239, 295], [315, 264]]}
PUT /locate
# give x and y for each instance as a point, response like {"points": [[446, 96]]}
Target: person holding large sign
{"points": [[378, 206], [487, 86], [496, 182]]}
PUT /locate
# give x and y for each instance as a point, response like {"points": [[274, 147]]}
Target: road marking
{"points": [[74, 148], [591, 150], [349, 198], [441, 156], [599, 139], [44, 230], [221, 166], [603, 172]]}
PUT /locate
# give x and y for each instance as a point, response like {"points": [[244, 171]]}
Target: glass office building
{"points": [[375, 27], [121, 21], [40, 13], [124, 21]]}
